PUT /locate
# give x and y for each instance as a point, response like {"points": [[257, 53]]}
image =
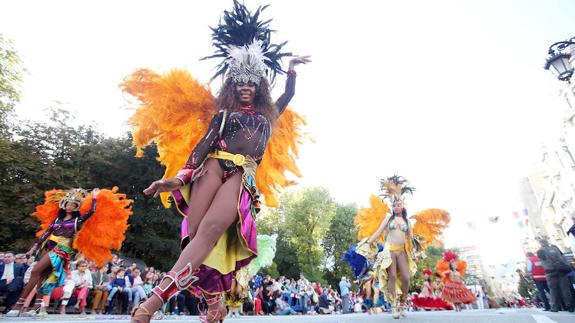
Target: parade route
{"points": [[471, 316]]}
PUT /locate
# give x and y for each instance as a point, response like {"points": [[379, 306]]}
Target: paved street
{"points": [[473, 316]]}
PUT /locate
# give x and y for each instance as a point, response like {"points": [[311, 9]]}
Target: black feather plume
{"points": [[240, 27]]}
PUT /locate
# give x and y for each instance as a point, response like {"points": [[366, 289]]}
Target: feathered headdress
{"points": [[393, 188], [244, 44], [449, 256], [76, 196]]}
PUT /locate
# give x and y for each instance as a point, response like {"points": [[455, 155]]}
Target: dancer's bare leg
{"points": [[41, 269], [391, 283], [220, 215], [392, 275], [203, 192], [403, 265]]}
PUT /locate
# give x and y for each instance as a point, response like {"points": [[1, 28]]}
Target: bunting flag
{"points": [[516, 214], [471, 225], [494, 219], [525, 212]]}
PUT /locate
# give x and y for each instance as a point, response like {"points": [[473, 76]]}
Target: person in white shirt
{"points": [[79, 283], [135, 287]]}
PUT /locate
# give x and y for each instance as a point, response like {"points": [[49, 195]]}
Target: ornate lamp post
{"points": [[558, 61]]}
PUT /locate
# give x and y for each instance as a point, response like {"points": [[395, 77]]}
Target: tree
{"points": [[43, 156], [308, 213], [340, 235], [10, 78]]}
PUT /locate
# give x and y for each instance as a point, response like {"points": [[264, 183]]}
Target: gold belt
{"points": [[237, 159], [395, 247]]}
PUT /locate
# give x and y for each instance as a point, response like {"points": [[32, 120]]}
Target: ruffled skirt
{"points": [[235, 249], [456, 293]]}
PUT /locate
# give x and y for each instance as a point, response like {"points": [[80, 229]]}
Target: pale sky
{"points": [[449, 94]]}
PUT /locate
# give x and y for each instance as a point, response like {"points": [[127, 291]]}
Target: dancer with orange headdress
{"points": [[427, 299], [73, 220], [226, 145], [403, 242], [451, 270]]}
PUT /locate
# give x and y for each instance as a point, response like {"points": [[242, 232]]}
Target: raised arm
{"points": [[289, 92], [84, 217]]}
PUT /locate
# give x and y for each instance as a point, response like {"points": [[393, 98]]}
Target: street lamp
{"points": [[558, 60]]}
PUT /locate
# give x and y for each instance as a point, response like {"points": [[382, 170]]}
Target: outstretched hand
{"points": [[299, 60], [163, 185]]}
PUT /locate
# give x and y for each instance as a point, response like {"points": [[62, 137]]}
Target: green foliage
{"points": [[340, 235], [43, 156], [10, 78]]}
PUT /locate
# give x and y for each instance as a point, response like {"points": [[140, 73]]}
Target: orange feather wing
{"points": [[429, 225], [174, 110], [369, 219], [105, 229], [48, 211], [280, 156]]}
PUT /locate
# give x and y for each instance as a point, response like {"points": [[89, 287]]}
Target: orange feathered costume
{"points": [[175, 110], [103, 231], [454, 291]]}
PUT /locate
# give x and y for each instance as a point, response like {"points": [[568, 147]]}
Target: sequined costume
{"points": [[252, 137], [375, 226], [244, 132], [452, 270], [58, 241], [96, 225]]}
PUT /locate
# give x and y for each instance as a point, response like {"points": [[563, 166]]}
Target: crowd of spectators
{"points": [[121, 284]]}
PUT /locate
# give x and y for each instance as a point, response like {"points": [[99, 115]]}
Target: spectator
{"points": [[1, 257], [344, 286], [282, 307], [112, 263], [535, 268], [358, 305], [11, 280], [101, 282], [118, 285], [31, 262], [78, 284], [557, 269], [325, 306], [20, 259], [130, 269], [135, 286], [148, 285]]}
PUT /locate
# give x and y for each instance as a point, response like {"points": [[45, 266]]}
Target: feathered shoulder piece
{"points": [[243, 42], [368, 220], [105, 229], [461, 266], [393, 188], [429, 226], [280, 156], [48, 211], [174, 111]]}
